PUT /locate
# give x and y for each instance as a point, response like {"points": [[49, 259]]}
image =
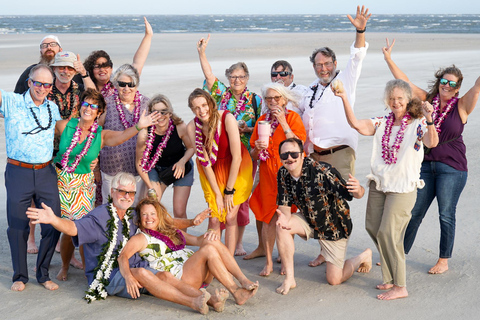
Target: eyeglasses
{"points": [[92, 106], [49, 44], [270, 99], [233, 78], [294, 155], [274, 74], [124, 84], [38, 84], [105, 65], [452, 84], [325, 65], [123, 193]]}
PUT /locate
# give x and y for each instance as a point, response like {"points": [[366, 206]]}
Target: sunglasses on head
{"points": [[91, 105], [294, 155], [270, 99], [274, 74], [444, 82], [124, 84], [38, 84], [103, 65], [123, 193]]}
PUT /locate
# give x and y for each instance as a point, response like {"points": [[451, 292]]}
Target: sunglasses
{"points": [[163, 112], [274, 74], [38, 84], [123, 193], [50, 44], [294, 155], [270, 99], [103, 65], [444, 82], [124, 84], [91, 105]]}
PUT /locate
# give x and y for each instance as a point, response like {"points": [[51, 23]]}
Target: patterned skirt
{"points": [[77, 193]]}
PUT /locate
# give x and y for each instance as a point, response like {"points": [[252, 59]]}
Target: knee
{"points": [[333, 281], [163, 275]]}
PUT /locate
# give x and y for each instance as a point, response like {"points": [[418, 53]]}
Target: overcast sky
{"points": [[149, 7]]}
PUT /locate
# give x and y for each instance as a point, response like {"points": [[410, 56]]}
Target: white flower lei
{"points": [[108, 259]]}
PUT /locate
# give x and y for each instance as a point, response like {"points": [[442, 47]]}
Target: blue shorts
{"points": [[186, 181], [118, 287]]}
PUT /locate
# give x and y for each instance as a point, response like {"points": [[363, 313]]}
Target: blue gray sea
{"points": [[405, 23]]}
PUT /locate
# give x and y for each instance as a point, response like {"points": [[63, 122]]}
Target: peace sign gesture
{"points": [[387, 51]]}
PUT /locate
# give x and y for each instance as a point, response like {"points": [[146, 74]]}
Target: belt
{"points": [[36, 166], [330, 151]]}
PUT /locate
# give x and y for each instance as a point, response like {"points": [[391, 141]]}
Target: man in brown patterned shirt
{"points": [[321, 194]]}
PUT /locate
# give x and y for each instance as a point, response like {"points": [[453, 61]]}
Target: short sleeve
{"points": [[88, 231]]}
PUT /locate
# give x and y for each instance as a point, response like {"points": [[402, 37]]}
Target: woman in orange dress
{"points": [[284, 124], [223, 162]]}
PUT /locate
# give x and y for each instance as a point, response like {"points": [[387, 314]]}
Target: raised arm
{"points": [[136, 244], [47, 216], [360, 23], [144, 48], [87, 81], [206, 68], [399, 74], [467, 103]]}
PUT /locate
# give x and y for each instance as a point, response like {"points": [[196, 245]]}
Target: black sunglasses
{"points": [[124, 84], [294, 155], [104, 65], [274, 74]]}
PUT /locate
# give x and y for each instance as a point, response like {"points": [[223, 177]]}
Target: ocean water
{"points": [[237, 23]]}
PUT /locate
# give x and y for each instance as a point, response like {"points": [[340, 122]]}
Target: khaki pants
{"points": [[342, 160], [386, 220]]}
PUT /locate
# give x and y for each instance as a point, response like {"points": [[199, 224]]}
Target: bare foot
{"points": [[366, 264], [249, 285], [378, 264], [200, 303], [18, 286], [440, 267], [318, 261], [217, 300], [32, 247], [62, 274], [286, 286], [257, 253], [241, 295], [76, 264], [385, 286], [50, 285], [239, 251], [266, 270], [395, 293]]}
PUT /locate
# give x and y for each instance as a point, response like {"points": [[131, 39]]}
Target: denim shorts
{"points": [[118, 286], [186, 181]]}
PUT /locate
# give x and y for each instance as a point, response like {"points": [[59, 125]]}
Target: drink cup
{"points": [[264, 131]]}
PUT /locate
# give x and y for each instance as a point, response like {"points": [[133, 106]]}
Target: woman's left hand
{"points": [[427, 110], [179, 169], [228, 202], [146, 121], [202, 216]]}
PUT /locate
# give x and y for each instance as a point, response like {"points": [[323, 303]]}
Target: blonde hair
{"points": [[160, 98]]}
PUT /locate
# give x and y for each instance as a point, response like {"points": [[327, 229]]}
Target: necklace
{"points": [[264, 155], [389, 154], [160, 236], [39, 127], [240, 104], [145, 163], [200, 146], [440, 116], [75, 140], [107, 260], [121, 113], [108, 90], [67, 103], [315, 88]]}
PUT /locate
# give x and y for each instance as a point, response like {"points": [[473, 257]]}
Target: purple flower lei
{"points": [[108, 90], [136, 110], [75, 140], [200, 147], [439, 117], [389, 155], [148, 165], [160, 236], [240, 104], [264, 155]]}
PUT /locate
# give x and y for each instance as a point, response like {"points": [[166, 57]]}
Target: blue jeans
{"points": [[445, 183]]}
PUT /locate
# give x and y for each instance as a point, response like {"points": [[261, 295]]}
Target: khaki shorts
{"points": [[333, 251]]}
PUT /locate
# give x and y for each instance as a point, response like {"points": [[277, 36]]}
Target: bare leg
{"points": [[336, 276], [66, 252], [239, 251], [259, 251], [395, 292], [268, 244], [440, 267], [180, 199], [231, 229], [31, 246]]}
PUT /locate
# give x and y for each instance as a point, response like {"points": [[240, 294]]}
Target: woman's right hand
{"points": [[202, 44], [387, 51], [220, 204], [133, 287], [260, 145]]}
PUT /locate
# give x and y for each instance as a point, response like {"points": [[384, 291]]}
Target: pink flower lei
{"points": [[200, 146], [145, 163], [75, 140], [108, 90], [439, 117], [240, 107], [389, 155], [136, 110], [264, 155], [160, 236]]}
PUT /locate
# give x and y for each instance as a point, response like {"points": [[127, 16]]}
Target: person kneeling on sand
{"points": [[321, 194], [104, 232]]}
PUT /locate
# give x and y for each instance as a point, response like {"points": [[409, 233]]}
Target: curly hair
{"points": [[91, 61], [435, 84]]}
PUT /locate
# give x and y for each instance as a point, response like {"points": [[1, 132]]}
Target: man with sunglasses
{"points": [[29, 129], [321, 194]]}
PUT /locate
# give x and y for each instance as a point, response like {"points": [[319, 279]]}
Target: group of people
{"points": [[295, 148]]}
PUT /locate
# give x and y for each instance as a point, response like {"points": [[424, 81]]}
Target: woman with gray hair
{"points": [[283, 124], [395, 175], [123, 111]]}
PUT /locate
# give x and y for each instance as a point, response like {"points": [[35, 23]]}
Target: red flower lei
{"points": [[389, 155], [160, 236], [136, 110]]}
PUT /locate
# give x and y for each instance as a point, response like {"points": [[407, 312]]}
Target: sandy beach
{"points": [[172, 68]]}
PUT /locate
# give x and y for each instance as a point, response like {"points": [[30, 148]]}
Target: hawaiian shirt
{"points": [[249, 114], [25, 140], [321, 194], [68, 102]]}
